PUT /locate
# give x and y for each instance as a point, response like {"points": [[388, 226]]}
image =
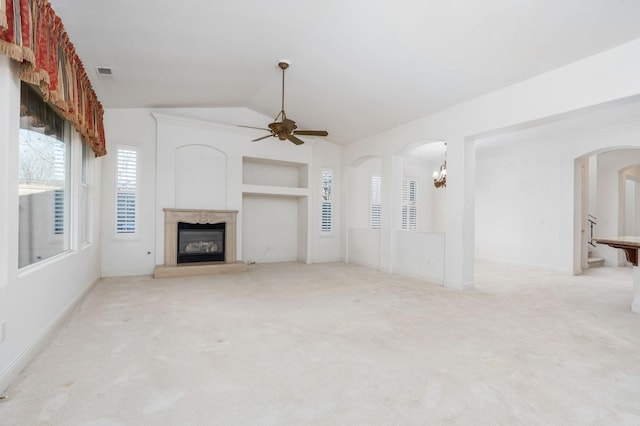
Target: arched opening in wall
{"points": [[365, 210], [425, 164], [420, 223], [607, 187]]}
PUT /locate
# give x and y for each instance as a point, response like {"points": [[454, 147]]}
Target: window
{"points": [[327, 200], [126, 191], [43, 180], [85, 196], [376, 206], [409, 204]]}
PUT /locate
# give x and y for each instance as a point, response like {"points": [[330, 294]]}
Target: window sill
{"points": [[126, 240], [26, 270]]}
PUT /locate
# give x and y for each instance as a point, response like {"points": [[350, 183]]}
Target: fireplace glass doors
{"points": [[200, 242]]}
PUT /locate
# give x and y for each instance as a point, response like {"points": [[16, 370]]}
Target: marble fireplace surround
{"points": [[198, 216]]}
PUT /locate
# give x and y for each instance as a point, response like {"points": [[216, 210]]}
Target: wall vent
{"points": [[104, 71]]}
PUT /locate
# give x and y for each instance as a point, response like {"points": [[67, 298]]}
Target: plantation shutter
{"points": [[327, 200], [376, 207], [126, 190]]}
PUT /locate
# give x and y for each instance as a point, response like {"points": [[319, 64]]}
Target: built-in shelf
{"points": [[274, 174], [275, 190]]}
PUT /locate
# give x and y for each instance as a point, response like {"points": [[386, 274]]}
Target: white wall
{"points": [[363, 242], [518, 202], [133, 127], [364, 247], [269, 228], [420, 255], [193, 158], [201, 177], [525, 193], [33, 300]]}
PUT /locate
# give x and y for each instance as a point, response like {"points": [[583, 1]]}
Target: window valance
{"points": [[32, 34]]}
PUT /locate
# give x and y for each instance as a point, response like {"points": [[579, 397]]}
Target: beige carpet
{"points": [[335, 344]]}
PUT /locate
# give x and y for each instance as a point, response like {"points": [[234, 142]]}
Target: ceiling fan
{"points": [[285, 129]]}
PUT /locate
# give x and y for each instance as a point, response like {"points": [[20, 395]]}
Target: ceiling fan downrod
{"points": [[283, 64]]}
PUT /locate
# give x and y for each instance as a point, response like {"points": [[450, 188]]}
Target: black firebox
{"points": [[200, 242]]}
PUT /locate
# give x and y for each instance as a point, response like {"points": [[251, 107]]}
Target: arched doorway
{"points": [[605, 204]]}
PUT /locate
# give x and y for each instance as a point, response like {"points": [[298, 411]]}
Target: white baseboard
{"points": [[40, 341], [427, 278], [327, 260], [460, 286], [365, 264]]}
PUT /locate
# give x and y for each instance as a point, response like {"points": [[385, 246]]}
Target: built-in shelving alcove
{"points": [[276, 214], [266, 176]]}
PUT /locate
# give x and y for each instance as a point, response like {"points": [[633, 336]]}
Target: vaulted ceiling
{"points": [[358, 67]]}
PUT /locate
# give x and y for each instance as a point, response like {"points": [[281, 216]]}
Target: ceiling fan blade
{"points": [[311, 132], [251, 127], [295, 140], [259, 139]]}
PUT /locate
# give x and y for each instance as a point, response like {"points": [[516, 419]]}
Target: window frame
{"points": [[135, 235], [58, 226], [326, 202], [408, 205], [375, 208], [85, 221]]}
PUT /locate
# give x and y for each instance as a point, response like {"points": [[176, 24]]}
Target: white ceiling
{"points": [[359, 67]]}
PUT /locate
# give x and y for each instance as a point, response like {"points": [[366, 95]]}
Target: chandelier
{"points": [[440, 177]]}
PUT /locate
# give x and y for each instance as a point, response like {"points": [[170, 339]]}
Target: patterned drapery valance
{"points": [[32, 34]]}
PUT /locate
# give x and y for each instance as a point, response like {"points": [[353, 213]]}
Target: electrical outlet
{"points": [[2, 330]]}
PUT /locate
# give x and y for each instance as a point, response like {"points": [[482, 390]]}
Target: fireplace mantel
{"points": [[198, 216]]}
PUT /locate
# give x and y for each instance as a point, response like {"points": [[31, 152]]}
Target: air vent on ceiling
{"points": [[104, 72]]}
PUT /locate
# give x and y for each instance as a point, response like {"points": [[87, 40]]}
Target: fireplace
{"points": [[200, 242]]}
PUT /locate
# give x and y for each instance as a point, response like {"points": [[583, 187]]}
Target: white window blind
{"points": [[126, 190], [59, 173], [376, 204], [409, 204], [58, 212], [327, 200]]}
